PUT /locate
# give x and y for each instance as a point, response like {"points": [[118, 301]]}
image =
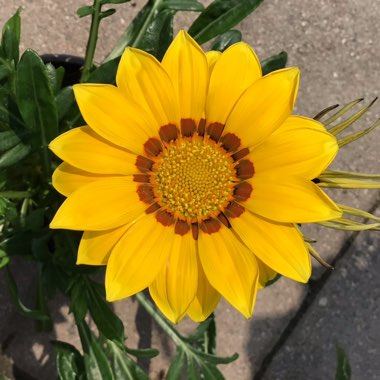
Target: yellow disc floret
{"points": [[193, 178]]}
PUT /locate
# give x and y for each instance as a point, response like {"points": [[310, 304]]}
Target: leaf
{"points": [[85, 11], [8, 140], [69, 361], [107, 13], [10, 45], [4, 259], [35, 98], [55, 77], [220, 16], [343, 368], [14, 155], [78, 298], [114, 1], [108, 323], [143, 352], [105, 73], [176, 366], [14, 23], [210, 372], [226, 39], [217, 359], [183, 5], [276, 62]]}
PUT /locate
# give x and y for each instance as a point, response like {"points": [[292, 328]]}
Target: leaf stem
{"points": [[92, 40], [15, 194]]}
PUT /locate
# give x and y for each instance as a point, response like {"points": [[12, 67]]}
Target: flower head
{"points": [[191, 176]]}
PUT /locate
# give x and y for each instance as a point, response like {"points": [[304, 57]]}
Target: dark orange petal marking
{"points": [[188, 127], [214, 130], [230, 142], [239, 155], [234, 210], [168, 132], [242, 191], [195, 230], [223, 219], [181, 227], [210, 226], [152, 208], [153, 147], [245, 169], [144, 164], [164, 217], [146, 193], [145, 178], [201, 127]]}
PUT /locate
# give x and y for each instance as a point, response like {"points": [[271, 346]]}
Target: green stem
{"points": [[92, 40], [15, 194], [159, 319]]}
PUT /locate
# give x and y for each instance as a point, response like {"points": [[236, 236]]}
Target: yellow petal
{"points": [[100, 205], [187, 67], [266, 273], [235, 70], [279, 246], [84, 149], [231, 268], [142, 78], [212, 57], [299, 147], [67, 179], [290, 200], [176, 284], [206, 299], [138, 257], [264, 106], [114, 117], [96, 246]]}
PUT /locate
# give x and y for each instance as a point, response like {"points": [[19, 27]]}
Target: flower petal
{"points": [[299, 147], [84, 149], [290, 200], [212, 57], [264, 106], [206, 299], [138, 257], [96, 246], [142, 78], [114, 117], [67, 179], [100, 205], [235, 70], [176, 284], [187, 67], [230, 267], [279, 246]]}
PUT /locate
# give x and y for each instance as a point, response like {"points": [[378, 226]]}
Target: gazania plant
{"points": [[168, 173]]}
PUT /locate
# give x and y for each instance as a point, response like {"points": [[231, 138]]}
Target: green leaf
{"points": [[210, 372], [114, 1], [177, 365], [105, 73], [35, 97], [14, 155], [220, 16], [4, 259], [226, 39], [143, 352], [183, 5], [10, 45], [273, 280], [55, 77], [69, 361], [123, 367], [78, 298], [192, 372], [108, 323], [14, 23], [276, 62], [8, 140], [107, 13], [343, 368], [218, 359], [21, 308], [85, 11]]}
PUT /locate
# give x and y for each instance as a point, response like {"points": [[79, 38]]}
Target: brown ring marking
{"points": [[214, 130], [201, 127], [181, 227], [230, 142], [242, 191], [144, 164], [188, 127], [153, 147], [240, 154], [152, 208], [146, 193], [210, 226], [223, 219], [165, 218], [144, 178], [234, 210], [168, 132], [244, 169], [195, 230]]}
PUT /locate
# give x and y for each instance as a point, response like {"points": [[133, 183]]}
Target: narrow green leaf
{"points": [[4, 259], [226, 39], [108, 323], [343, 368], [78, 298], [14, 155], [325, 111], [275, 279], [85, 11], [357, 135], [114, 1], [210, 372], [107, 13], [143, 352], [55, 77], [342, 111], [191, 370], [14, 23], [10, 45], [105, 73], [8, 140], [183, 5], [4, 72], [177, 365], [276, 62], [69, 361], [217, 359], [220, 16], [357, 212], [35, 97]]}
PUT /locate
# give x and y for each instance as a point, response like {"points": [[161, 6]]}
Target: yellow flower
{"points": [[190, 177]]}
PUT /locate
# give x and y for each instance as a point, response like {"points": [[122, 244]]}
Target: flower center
{"points": [[193, 178]]}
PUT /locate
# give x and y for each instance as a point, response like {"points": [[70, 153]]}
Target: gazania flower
{"points": [[190, 178]]}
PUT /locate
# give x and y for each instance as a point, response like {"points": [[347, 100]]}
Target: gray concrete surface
{"points": [[336, 45]]}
